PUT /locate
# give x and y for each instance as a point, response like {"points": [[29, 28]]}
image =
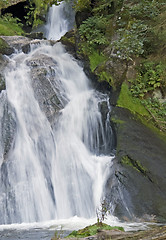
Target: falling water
{"points": [[51, 169]]}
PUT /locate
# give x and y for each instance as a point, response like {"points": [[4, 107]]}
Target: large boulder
{"points": [[136, 187]]}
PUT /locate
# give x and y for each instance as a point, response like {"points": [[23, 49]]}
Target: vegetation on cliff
{"points": [[125, 42]]}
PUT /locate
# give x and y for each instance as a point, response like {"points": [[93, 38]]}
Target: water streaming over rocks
{"points": [[53, 143]]}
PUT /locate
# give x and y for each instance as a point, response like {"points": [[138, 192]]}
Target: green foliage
{"points": [[91, 230], [37, 8], [102, 212], [103, 7], [145, 9], [130, 42], [133, 104], [157, 110], [150, 76], [10, 26], [93, 31], [81, 5]]}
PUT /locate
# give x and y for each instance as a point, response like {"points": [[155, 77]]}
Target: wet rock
{"points": [[46, 90], [21, 43], [3, 63], [136, 187]]}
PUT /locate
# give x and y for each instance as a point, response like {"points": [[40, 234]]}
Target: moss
{"points": [[117, 121], [134, 106], [127, 101], [68, 40], [96, 59], [135, 164], [91, 230], [10, 29]]}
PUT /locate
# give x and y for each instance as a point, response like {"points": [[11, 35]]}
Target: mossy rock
{"points": [[68, 40], [92, 230], [5, 48]]}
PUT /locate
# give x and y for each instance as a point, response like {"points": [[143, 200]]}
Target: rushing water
{"points": [[51, 170]]}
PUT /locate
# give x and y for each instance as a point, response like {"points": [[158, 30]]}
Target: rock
{"points": [[136, 186], [68, 40], [5, 47], [45, 89], [35, 35], [81, 16], [16, 42], [3, 63], [21, 43], [116, 68]]}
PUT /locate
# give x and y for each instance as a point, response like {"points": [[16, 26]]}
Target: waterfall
{"points": [[51, 167]]}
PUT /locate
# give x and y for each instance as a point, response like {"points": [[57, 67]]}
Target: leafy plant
{"points": [[150, 76], [131, 40], [102, 212], [157, 111], [10, 25], [93, 31], [145, 9]]}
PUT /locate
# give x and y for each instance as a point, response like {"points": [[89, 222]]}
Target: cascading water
{"points": [[54, 168]]}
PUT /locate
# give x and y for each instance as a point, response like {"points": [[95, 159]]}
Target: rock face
{"points": [[45, 89], [137, 185]]}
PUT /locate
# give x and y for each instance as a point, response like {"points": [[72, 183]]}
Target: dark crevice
{"points": [[20, 11]]}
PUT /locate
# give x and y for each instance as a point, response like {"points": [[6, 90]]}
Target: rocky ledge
{"points": [[155, 232]]}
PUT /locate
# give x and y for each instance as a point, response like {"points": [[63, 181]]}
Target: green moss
{"points": [[118, 121], [96, 59], [127, 101], [68, 40], [126, 160], [8, 28], [91, 230]]}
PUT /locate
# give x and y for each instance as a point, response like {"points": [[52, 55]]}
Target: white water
{"points": [[52, 171], [58, 22]]}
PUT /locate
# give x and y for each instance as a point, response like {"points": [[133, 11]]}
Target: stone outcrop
{"points": [[136, 186]]}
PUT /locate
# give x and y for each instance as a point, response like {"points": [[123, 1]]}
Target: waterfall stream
{"points": [[52, 169]]}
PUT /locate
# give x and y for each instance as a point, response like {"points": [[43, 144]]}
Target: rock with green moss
{"points": [[136, 187], [5, 48], [69, 41], [152, 232], [92, 230]]}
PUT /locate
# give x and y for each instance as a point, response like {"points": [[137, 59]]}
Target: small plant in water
{"points": [[57, 235], [102, 211]]}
